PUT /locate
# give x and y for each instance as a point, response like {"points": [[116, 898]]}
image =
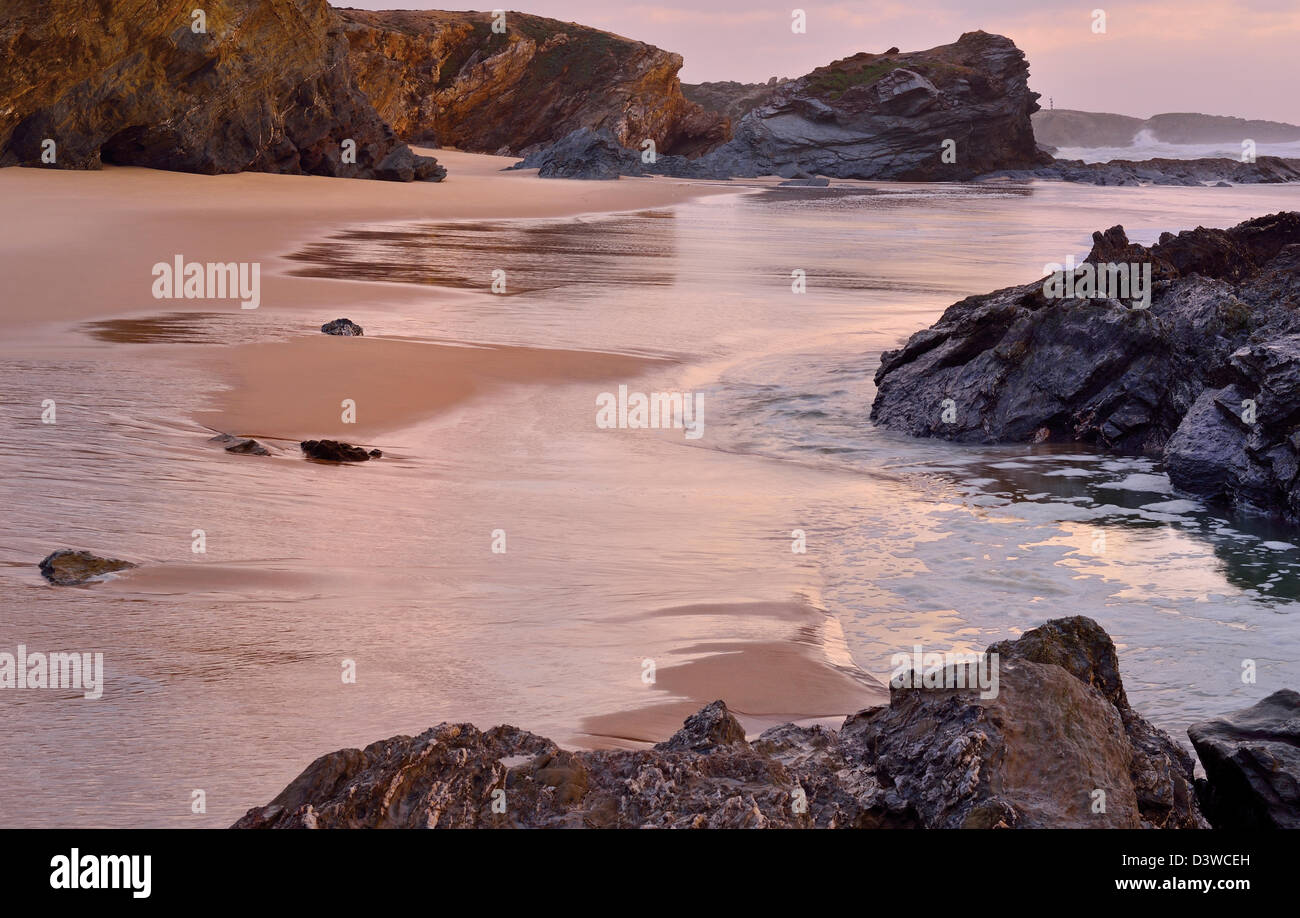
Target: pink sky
{"points": [[1221, 57]]}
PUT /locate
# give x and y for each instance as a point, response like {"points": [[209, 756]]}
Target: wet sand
{"points": [[771, 661]]}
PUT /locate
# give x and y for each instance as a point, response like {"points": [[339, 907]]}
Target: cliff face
{"points": [[447, 77], [266, 88], [870, 116]]}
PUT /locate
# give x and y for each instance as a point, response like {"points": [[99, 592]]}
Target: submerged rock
{"points": [[1252, 765], [248, 448], [1036, 753], [344, 327], [240, 445], [334, 451], [67, 567], [1208, 375]]}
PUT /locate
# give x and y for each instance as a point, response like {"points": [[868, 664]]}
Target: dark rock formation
{"points": [[874, 116], [1209, 375], [1252, 765], [1069, 128], [334, 451], [584, 154], [67, 567], [1189, 172], [343, 327], [1035, 754], [265, 89], [447, 78]]}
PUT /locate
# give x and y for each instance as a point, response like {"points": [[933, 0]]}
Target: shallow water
{"points": [[223, 669]]}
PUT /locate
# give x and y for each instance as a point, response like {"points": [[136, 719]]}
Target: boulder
{"points": [[343, 327], [67, 567], [334, 451], [1161, 770], [1252, 765]]}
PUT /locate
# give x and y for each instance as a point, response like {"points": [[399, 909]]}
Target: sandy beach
{"points": [[270, 374]]}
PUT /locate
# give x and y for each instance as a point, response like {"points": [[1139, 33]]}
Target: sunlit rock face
{"points": [[449, 78], [238, 85]]}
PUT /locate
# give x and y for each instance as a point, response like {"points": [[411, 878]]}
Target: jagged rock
{"points": [[343, 327], [1161, 770], [1252, 765], [67, 567], [707, 729], [1033, 755], [443, 77], [266, 88], [872, 116], [1208, 376], [334, 451]]}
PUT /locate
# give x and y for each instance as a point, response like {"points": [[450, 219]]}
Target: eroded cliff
{"points": [[245, 86], [447, 77]]}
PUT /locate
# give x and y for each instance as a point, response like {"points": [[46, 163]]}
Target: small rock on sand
{"points": [[67, 567], [344, 327]]}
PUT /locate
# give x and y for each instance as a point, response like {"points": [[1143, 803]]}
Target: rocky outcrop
{"points": [[1252, 765], [1161, 770], [1051, 747], [344, 328], [1069, 128], [879, 116], [448, 78], [334, 451], [1208, 375], [263, 87], [67, 567], [1188, 172]]}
